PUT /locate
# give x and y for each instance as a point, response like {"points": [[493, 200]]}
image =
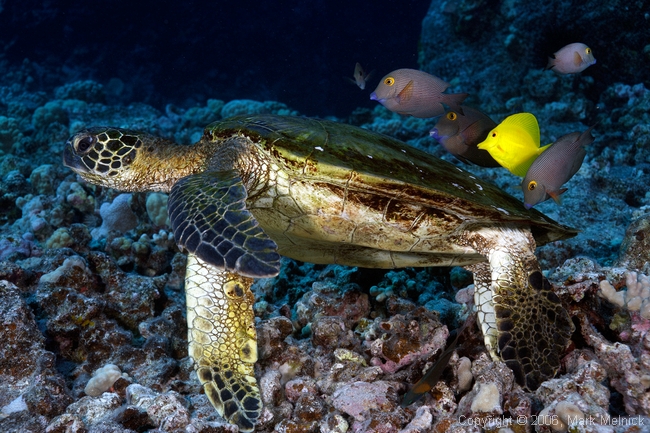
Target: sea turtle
{"points": [[254, 188]]}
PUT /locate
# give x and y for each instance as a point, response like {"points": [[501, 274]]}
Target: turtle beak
{"points": [[71, 159]]}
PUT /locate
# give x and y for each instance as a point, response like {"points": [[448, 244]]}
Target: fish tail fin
{"points": [[550, 64], [587, 137], [453, 101]]}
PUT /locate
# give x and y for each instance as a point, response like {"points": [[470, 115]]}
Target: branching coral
{"points": [[635, 298]]}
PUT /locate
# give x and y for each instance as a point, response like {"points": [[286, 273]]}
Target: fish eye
{"points": [[532, 185], [389, 81], [84, 144], [494, 134], [451, 115], [588, 50]]}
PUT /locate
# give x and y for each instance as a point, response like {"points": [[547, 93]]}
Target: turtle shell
{"points": [[330, 165]]}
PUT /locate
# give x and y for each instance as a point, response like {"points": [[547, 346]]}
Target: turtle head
{"points": [[103, 156]]}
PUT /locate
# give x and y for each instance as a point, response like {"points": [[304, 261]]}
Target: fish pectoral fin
{"points": [[555, 195], [577, 60], [406, 93]]}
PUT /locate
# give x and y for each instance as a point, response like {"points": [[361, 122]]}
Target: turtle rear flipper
{"points": [[209, 217], [222, 340], [523, 321]]}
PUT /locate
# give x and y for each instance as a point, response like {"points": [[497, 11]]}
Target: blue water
{"points": [[184, 53]]}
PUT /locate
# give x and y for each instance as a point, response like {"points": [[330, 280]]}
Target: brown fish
{"points": [[416, 93], [431, 377], [571, 59], [460, 133], [360, 77], [554, 167]]}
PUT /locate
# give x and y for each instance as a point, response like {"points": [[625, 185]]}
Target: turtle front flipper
{"points": [[522, 320], [222, 340], [209, 217]]}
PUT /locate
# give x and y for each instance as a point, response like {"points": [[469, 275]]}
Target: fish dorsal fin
{"points": [[209, 218], [524, 122], [406, 93]]}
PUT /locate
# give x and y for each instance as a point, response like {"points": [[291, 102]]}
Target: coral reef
{"points": [[90, 278]]}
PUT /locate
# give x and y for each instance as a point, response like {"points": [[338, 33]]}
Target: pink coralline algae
{"points": [[629, 373], [358, 398], [403, 339]]}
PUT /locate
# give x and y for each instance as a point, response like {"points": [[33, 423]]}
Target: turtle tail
{"points": [[223, 341]]}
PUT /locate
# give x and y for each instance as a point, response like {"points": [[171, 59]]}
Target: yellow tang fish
{"points": [[514, 143]]}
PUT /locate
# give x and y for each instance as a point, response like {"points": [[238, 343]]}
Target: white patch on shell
{"points": [[471, 191], [319, 148]]}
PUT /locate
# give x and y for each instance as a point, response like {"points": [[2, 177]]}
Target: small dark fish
{"points": [[431, 377], [460, 133], [416, 93], [554, 167], [571, 59], [360, 77]]}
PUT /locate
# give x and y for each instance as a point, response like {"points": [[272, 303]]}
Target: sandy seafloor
{"points": [[338, 346]]}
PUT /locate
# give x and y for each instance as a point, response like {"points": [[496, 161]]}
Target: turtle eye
{"points": [[451, 115], [389, 81], [532, 185], [84, 145]]}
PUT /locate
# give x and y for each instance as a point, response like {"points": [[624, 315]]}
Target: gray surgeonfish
{"points": [[416, 93], [554, 167], [571, 59], [460, 133]]}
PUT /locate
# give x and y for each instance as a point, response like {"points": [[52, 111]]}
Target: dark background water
{"points": [[293, 51]]}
